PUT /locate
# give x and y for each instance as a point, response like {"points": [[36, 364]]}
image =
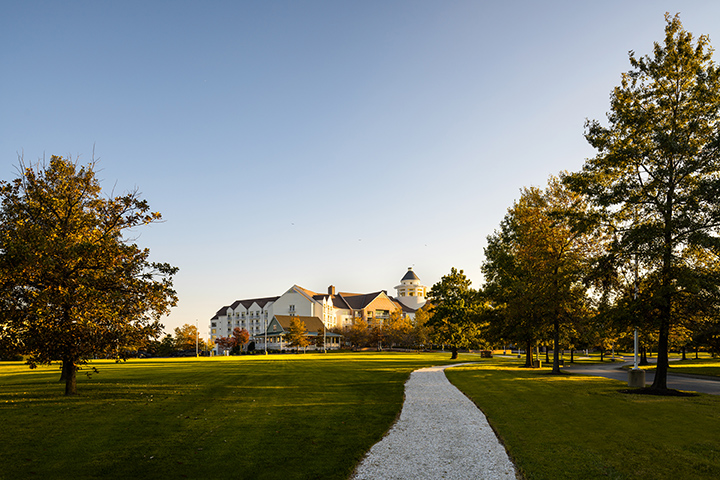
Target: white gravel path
{"points": [[441, 434]]}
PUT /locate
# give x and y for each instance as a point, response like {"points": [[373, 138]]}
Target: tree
{"points": [[72, 286], [185, 337], [319, 340], [399, 329], [534, 268], [357, 334], [455, 311], [167, 345], [241, 337], [224, 344], [421, 331], [656, 175], [296, 336]]}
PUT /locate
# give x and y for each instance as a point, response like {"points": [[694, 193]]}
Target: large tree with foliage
{"points": [[657, 171], [535, 265], [73, 285], [455, 312]]}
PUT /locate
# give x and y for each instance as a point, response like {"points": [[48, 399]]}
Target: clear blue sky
{"points": [[318, 143]]}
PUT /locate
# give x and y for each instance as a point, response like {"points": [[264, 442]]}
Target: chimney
{"points": [[331, 290]]}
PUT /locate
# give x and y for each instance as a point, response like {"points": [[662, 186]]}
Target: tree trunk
{"points": [[556, 346], [602, 353], [666, 295], [643, 356], [70, 373], [454, 355], [660, 382], [528, 355], [572, 351], [683, 353]]}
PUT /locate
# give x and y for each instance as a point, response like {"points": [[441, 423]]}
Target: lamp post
{"points": [[265, 343], [197, 337], [636, 376]]}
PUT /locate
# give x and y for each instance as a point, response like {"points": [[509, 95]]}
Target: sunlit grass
{"points": [[701, 366], [571, 426], [277, 416]]}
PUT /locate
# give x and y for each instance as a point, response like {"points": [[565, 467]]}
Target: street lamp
{"points": [[636, 376], [197, 337]]}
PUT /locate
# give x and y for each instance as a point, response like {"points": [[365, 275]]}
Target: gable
{"points": [[274, 326]]}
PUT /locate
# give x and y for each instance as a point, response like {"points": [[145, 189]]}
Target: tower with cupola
{"points": [[411, 292]]}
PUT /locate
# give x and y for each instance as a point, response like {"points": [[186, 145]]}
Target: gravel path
{"points": [[441, 434]]}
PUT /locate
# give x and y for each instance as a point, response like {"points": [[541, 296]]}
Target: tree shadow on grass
{"points": [[662, 392]]}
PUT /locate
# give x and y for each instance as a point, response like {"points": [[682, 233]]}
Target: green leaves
{"points": [[71, 287], [455, 311], [656, 177]]}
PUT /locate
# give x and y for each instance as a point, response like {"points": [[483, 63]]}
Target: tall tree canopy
{"points": [[657, 171], [534, 267], [455, 319], [72, 286]]}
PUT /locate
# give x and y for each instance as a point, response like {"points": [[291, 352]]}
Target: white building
{"points": [[410, 292], [334, 309]]}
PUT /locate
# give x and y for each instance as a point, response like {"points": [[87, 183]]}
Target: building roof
{"points": [[245, 303], [405, 308], [358, 301], [312, 324], [222, 311], [410, 275], [308, 293]]}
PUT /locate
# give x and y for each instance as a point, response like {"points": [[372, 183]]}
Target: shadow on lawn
{"points": [[660, 392]]}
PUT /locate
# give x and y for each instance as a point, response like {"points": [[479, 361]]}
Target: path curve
{"points": [[692, 383], [441, 434]]}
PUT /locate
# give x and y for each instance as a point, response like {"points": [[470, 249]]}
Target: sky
{"points": [[317, 143]]}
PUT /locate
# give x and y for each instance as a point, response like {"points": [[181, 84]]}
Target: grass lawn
{"points": [[573, 426], [701, 366], [261, 417]]}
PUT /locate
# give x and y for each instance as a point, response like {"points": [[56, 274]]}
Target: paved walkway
{"points": [[692, 383], [441, 434]]}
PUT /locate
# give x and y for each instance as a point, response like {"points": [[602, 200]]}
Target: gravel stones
{"points": [[441, 434]]}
